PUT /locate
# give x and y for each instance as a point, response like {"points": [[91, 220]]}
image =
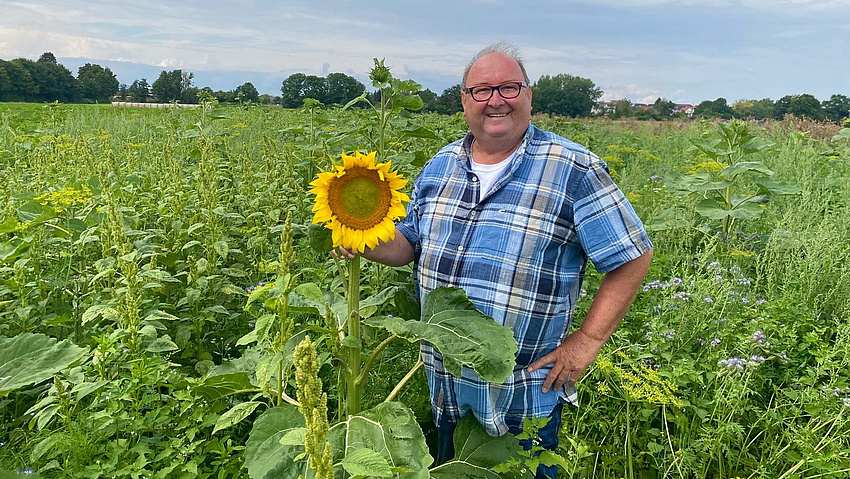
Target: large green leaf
{"points": [[747, 211], [212, 388], [31, 358], [683, 185], [389, 429], [756, 144], [265, 456], [464, 335], [367, 463], [476, 452], [235, 415], [475, 446], [745, 166], [462, 470], [34, 212], [769, 186], [711, 209]]}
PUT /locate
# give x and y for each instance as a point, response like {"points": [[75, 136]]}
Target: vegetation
{"points": [[158, 278], [564, 95]]}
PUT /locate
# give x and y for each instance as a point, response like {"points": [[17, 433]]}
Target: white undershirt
{"points": [[488, 174]]}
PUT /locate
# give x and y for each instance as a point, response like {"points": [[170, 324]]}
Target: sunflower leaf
{"points": [[462, 334]]}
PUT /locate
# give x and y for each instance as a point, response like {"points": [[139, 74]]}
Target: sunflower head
{"points": [[358, 201]]}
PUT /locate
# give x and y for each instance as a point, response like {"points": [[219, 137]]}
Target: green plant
{"points": [[723, 183]]}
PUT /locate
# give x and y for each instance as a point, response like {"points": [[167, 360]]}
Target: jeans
{"points": [[548, 440]]}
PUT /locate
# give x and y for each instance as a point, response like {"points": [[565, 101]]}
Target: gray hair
{"points": [[502, 48]]}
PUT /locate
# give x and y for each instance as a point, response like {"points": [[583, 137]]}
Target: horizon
{"points": [[685, 52]]}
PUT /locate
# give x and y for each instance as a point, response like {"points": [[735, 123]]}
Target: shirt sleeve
{"points": [[608, 227], [409, 225]]}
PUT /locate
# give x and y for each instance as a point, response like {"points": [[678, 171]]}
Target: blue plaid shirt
{"points": [[520, 254]]}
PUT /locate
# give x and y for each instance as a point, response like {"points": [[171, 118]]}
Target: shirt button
{"points": [[474, 179], [472, 214], [460, 248]]}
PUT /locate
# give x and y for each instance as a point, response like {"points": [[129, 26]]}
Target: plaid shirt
{"points": [[520, 254]]}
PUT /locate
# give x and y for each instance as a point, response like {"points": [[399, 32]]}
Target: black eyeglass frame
{"points": [[498, 88]]}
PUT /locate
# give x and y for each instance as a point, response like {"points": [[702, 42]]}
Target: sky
{"points": [[686, 51]]}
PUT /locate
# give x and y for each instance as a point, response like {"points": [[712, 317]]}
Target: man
{"points": [[511, 214]]}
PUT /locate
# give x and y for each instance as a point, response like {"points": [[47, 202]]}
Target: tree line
{"points": [[45, 80], [835, 109]]}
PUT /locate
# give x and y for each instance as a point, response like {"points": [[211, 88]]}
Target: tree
{"points": [[175, 85], [47, 57], [753, 109], [96, 83], [622, 109], [315, 87], [247, 92], [291, 90], [805, 105], [780, 108], [429, 100], [565, 95], [837, 108], [718, 108], [342, 88], [54, 81], [448, 103], [16, 82], [139, 90], [664, 108]]}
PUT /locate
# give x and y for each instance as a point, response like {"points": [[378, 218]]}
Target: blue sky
{"points": [[682, 50]]}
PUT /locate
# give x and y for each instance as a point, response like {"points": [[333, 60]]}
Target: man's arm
{"points": [[395, 252], [612, 302]]}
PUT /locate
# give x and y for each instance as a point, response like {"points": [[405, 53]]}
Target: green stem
{"points": [[404, 381], [353, 363], [629, 440], [367, 366]]}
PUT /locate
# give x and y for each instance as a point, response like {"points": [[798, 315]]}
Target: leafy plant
{"points": [[724, 188]]}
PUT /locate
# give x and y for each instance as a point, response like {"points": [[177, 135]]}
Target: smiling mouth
{"points": [[497, 115]]}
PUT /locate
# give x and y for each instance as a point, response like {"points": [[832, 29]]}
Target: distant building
{"points": [[685, 108], [606, 107]]}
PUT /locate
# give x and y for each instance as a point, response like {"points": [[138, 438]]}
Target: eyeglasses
{"points": [[506, 90]]}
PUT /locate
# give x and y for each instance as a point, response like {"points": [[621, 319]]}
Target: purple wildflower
{"points": [[734, 362], [683, 295]]}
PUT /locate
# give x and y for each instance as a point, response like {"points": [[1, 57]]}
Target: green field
{"points": [[156, 273]]}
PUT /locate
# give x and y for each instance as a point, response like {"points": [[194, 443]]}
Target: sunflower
{"points": [[359, 201]]}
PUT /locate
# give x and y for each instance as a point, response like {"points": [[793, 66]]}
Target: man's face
{"points": [[497, 122]]}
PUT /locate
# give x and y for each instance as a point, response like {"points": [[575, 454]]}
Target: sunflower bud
{"points": [[380, 73]]}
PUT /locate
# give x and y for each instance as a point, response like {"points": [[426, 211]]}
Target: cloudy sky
{"points": [[681, 50]]}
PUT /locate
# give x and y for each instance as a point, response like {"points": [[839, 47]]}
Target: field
{"points": [[158, 269]]}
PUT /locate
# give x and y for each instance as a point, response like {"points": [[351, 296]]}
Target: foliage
{"points": [[731, 363], [337, 88], [720, 181], [96, 83], [837, 108], [174, 85], [139, 90], [565, 94], [718, 108]]}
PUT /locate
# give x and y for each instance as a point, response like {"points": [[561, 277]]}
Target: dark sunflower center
{"points": [[359, 199]]}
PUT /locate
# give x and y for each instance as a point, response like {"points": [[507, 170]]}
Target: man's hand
{"points": [[570, 360], [343, 253]]}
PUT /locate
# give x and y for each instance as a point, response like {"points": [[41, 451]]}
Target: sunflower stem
{"points": [[354, 347]]}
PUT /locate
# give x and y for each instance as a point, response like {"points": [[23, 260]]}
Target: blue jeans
{"points": [[548, 440]]}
